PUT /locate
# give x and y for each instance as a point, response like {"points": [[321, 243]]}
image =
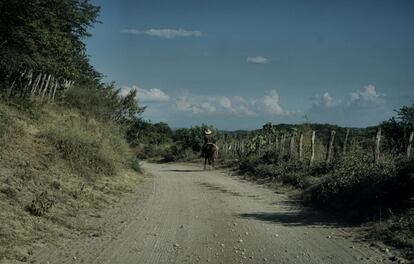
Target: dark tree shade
{"points": [[47, 35]]}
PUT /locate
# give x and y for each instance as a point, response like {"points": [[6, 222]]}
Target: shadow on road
{"points": [[220, 189], [184, 170], [295, 218]]}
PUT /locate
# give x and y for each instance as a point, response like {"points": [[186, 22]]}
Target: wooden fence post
{"points": [[410, 142], [276, 143], [292, 146], [46, 86], [41, 85], [9, 93], [345, 141], [282, 145], [36, 83], [301, 147], [54, 90], [377, 146], [269, 143], [29, 76], [312, 159], [52, 86], [330, 147]]}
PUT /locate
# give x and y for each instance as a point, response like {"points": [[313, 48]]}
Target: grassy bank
{"points": [[58, 167]]}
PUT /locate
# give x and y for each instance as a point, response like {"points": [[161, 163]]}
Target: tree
{"points": [[406, 115], [396, 129], [127, 109], [47, 35]]}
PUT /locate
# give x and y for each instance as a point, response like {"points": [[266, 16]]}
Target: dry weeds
{"points": [[29, 166]]}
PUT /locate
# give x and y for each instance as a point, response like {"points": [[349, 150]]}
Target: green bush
{"points": [[355, 180], [249, 163], [144, 152], [400, 187], [265, 171], [104, 102], [173, 153], [298, 179], [41, 204], [397, 230], [272, 165], [115, 145], [91, 100], [85, 153], [321, 168], [136, 166]]}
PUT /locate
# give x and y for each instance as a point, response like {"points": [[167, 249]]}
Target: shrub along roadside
{"points": [[90, 151], [275, 168], [397, 230], [84, 153], [353, 188], [363, 189]]}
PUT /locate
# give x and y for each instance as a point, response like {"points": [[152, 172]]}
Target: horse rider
{"points": [[208, 139]]}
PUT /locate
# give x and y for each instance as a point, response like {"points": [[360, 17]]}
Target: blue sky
{"points": [[240, 64]]}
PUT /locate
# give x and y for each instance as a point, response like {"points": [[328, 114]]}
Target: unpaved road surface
{"points": [[183, 214]]}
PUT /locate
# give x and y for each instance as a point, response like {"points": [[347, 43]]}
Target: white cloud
{"points": [[183, 104], [152, 95], [234, 106], [243, 107], [207, 107], [327, 100], [193, 105], [324, 101], [225, 102], [270, 104], [223, 105], [257, 60], [237, 106], [362, 108], [164, 33], [367, 95], [144, 95]]}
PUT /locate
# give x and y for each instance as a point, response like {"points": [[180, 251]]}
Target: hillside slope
{"points": [[57, 168]]}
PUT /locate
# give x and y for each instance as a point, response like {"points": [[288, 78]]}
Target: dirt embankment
{"points": [[43, 196]]}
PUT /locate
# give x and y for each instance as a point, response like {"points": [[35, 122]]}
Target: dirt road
{"points": [[183, 214]]}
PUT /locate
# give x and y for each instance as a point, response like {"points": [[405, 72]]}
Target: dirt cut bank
{"points": [[57, 170]]}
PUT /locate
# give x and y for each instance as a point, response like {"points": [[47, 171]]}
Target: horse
{"points": [[209, 152]]}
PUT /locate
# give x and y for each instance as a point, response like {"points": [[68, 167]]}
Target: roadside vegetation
{"points": [[364, 176], [70, 144], [353, 175], [65, 142]]}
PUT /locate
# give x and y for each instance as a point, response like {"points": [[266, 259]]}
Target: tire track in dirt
{"points": [[183, 214]]}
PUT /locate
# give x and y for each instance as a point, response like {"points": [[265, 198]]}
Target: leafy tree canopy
{"points": [[47, 35]]}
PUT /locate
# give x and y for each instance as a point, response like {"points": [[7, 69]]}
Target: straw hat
{"points": [[208, 132]]}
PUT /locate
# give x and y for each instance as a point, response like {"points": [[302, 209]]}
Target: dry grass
{"points": [[30, 164]]}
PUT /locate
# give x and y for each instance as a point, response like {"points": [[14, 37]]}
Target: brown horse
{"points": [[209, 152]]}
